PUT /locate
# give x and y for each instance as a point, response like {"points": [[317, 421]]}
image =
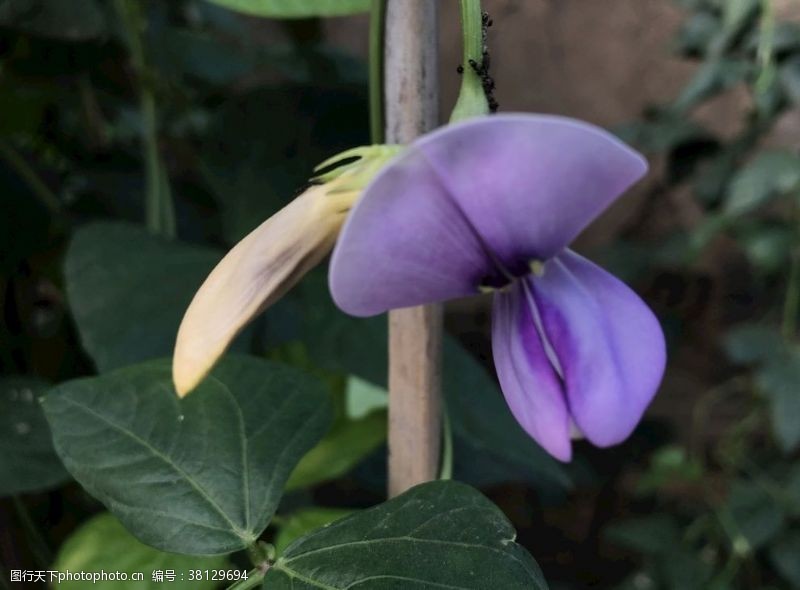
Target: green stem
{"points": [[791, 303], [261, 554], [377, 22], [36, 542], [254, 577], [159, 209], [40, 190], [766, 44], [446, 468], [472, 100]]}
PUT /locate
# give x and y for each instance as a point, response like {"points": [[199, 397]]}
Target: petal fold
{"points": [[530, 385], [405, 243], [472, 202], [529, 184], [252, 276], [609, 345]]}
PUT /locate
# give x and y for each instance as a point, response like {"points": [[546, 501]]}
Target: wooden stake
{"points": [[415, 335]]}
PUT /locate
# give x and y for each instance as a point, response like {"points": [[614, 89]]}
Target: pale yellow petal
{"points": [[252, 276]]}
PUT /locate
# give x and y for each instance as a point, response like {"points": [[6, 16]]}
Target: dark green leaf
{"points": [[685, 569], [696, 34], [753, 343], [785, 38], [344, 447], [769, 175], [756, 516], [669, 465], [654, 534], [780, 380], [295, 8], [304, 521], [711, 79], [767, 247], [663, 134], [437, 535], [28, 462], [266, 143], [129, 289], [73, 20], [736, 16], [789, 76], [793, 488], [102, 544], [201, 475], [785, 557]]}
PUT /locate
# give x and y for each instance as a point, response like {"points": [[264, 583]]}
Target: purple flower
{"points": [[491, 204]]}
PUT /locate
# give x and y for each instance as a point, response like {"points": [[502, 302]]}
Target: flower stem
{"points": [[446, 467], [159, 209], [472, 100], [791, 302], [40, 190], [36, 540], [377, 23]]}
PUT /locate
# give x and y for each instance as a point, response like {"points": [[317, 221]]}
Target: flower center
{"points": [[502, 281]]}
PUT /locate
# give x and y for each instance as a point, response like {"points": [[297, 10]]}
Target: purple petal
{"points": [[530, 183], [532, 389], [609, 345], [405, 243]]}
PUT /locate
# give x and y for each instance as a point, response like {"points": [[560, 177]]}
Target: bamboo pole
{"points": [[415, 334]]}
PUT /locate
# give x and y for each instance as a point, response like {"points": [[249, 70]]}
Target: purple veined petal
{"points": [[609, 345], [529, 184], [531, 387], [405, 243]]}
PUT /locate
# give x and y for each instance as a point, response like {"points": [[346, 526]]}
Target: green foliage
{"points": [[779, 380], [347, 444], [76, 20], [295, 8], [201, 475], [433, 535], [771, 174], [28, 462], [755, 516], [303, 522], [480, 417], [102, 544], [129, 289], [783, 555], [188, 103], [727, 505]]}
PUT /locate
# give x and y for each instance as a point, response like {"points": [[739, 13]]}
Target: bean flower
{"points": [[491, 205]]}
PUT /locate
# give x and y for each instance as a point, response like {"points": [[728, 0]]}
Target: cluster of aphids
{"points": [[482, 69]]}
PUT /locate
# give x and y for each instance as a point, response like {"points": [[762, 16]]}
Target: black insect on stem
{"points": [[482, 69]]}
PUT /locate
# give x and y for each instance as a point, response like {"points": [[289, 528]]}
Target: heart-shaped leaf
{"points": [[28, 462], [102, 544], [442, 534], [295, 8], [200, 475]]}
